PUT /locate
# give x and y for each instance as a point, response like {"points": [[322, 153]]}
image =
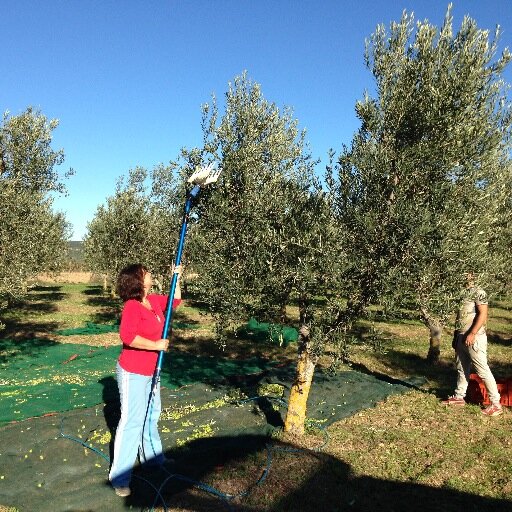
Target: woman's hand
{"points": [[162, 344], [177, 270], [145, 344]]}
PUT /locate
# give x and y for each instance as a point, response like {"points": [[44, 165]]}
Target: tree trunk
{"points": [[282, 313], [296, 414], [435, 327], [283, 300], [299, 393]]}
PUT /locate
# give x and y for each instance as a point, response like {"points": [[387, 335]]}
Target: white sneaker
{"points": [[123, 491], [493, 410]]}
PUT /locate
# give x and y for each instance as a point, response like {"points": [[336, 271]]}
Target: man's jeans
{"points": [[475, 355]]}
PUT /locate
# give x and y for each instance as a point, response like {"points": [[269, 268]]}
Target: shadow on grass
{"points": [[108, 308], [500, 370], [36, 307], [25, 330], [105, 301], [195, 301], [235, 348], [50, 296], [441, 376], [40, 302], [105, 317], [17, 327], [93, 289], [180, 320], [44, 293], [497, 339], [46, 288], [333, 487], [24, 345], [291, 480]]}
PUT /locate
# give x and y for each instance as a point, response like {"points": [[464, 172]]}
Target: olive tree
{"points": [[139, 223], [121, 231], [263, 235], [32, 236], [421, 189], [167, 196]]}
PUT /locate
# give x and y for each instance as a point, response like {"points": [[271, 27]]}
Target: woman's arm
{"points": [[177, 290], [145, 344]]}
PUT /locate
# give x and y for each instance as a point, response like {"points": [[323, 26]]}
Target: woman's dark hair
{"points": [[130, 282]]}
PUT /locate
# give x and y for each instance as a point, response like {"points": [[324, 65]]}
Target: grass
{"points": [[412, 438], [408, 451]]}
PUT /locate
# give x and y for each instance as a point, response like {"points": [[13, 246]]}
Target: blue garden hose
{"points": [[225, 498]]}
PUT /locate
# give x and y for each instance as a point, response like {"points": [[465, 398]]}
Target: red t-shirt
{"points": [[139, 320]]}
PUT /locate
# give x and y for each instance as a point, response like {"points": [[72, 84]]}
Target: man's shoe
{"points": [[123, 491], [454, 400], [493, 410]]}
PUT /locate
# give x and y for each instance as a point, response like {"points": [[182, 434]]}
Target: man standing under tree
{"points": [[470, 345]]}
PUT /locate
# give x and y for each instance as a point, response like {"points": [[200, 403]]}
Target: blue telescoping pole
{"points": [[168, 315], [205, 177]]}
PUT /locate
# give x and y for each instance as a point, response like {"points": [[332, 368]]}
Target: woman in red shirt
{"points": [[141, 327]]}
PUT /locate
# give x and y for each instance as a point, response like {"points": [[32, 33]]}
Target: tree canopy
{"points": [[256, 240], [426, 177], [32, 236], [420, 197], [120, 232]]}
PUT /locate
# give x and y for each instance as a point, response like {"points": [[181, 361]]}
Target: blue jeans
{"points": [[137, 431]]}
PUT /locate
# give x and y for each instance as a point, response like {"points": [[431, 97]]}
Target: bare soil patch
{"points": [[71, 277]]}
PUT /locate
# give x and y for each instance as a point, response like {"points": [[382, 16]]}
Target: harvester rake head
{"points": [[205, 175]]}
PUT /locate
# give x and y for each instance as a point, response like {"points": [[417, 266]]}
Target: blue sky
{"points": [[127, 78]]}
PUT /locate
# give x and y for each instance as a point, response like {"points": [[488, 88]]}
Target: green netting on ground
{"points": [[91, 328], [263, 331], [257, 403], [52, 377], [61, 377], [214, 410]]}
